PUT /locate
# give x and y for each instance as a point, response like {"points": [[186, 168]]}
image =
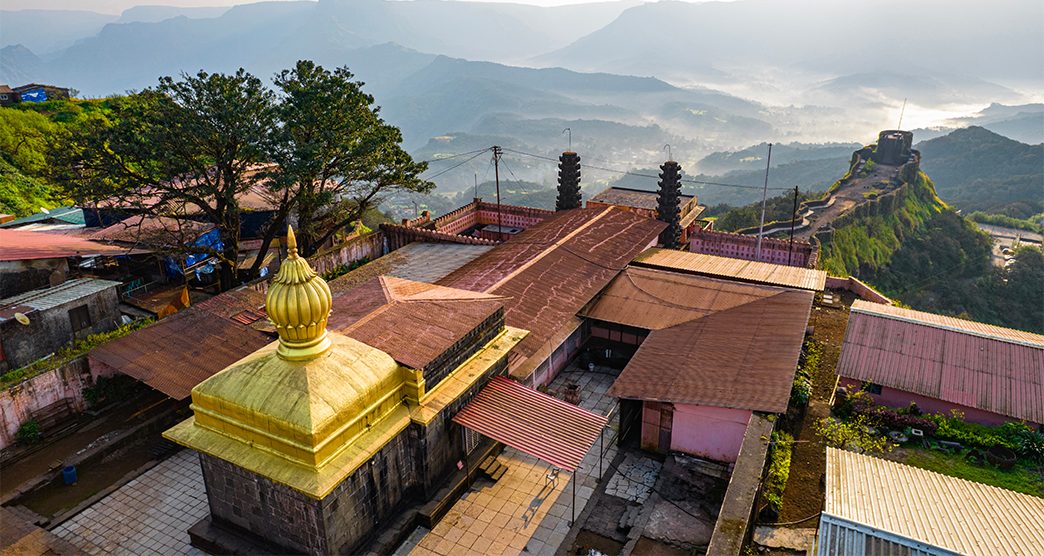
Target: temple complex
{"points": [[311, 442]]}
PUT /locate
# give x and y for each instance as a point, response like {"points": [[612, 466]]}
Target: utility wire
{"points": [[650, 176], [457, 165], [452, 156]]}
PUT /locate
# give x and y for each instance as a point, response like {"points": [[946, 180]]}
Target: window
{"points": [[80, 318], [872, 388]]}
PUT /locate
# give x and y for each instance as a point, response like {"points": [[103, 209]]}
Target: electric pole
{"points": [[764, 197], [497, 151], [793, 221]]}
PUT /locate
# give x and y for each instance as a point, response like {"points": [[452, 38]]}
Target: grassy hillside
{"points": [[977, 170], [915, 248]]}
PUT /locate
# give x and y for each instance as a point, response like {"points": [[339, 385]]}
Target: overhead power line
{"points": [[650, 176], [457, 165]]}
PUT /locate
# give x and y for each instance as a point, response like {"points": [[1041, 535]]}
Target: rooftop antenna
{"points": [[476, 185], [569, 130], [901, 113], [667, 148], [497, 151]]}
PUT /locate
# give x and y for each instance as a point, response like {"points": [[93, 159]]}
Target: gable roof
{"points": [[48, 298], [551, 271], [712, 342], [947, 512], [963, 362], [734, 269], [413, 322]]}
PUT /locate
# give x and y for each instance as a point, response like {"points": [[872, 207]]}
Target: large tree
{"points": [[186, 149], [334, 154]]}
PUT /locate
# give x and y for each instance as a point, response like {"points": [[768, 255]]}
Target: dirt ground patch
{"points": [[803, 495], [586, 540]]}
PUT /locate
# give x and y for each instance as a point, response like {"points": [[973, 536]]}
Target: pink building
{"points": [[900, 356], [707, 354], [739, 246]]}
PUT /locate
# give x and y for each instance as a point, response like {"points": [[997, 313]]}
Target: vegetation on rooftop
{"points": [[67, 354], [778, 469]]}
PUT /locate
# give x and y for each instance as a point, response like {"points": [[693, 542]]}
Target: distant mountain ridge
{"points": [[976, 169]]}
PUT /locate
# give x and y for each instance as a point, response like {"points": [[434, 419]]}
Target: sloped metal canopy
{"points": [[537, 424]]}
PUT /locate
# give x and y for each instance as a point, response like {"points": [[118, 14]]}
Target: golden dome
{"points": [[298, 304]]}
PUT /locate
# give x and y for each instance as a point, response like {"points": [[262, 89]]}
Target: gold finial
{"points": [[298, 304]]}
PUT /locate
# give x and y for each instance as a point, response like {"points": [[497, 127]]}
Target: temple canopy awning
{"points": [[536, 424]]}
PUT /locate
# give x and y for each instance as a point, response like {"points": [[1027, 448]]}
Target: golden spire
{"points": [[298, 304]]}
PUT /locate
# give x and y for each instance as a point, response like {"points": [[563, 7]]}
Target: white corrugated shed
{"points": [[875, 506]]}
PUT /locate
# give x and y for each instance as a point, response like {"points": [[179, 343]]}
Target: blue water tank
{"points": [[69, 474]]}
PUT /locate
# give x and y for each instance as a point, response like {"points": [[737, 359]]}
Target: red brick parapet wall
{"points": [[738, 246], [480, 213]]}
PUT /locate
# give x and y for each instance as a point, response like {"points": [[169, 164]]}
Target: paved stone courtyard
{"points": [[521, 511], [635, 478], [149, 515]]}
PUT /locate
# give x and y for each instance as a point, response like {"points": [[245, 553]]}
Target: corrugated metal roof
{"points": [[962, 362], [637, 198], [655, 299], [153, 230], [542, 426], [550, 271], [41, 300], [414, 322], [67, 215], [737, 269], [19, 245], [179, 352], [955, 514], [742, 356], [954, 324]]}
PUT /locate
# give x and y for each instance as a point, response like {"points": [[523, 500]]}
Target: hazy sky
{"points": [[117, 6]]}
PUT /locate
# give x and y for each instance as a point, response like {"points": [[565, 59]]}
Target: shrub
{"points": [[779, 469], [808, 365], [342, 269], [29, 432], [955, 429], [857, 435], [1030, 444]]}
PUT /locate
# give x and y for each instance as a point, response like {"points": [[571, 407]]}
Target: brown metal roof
{"points": [[947, 512], [179, 352], [551, 271], [739, 349], [655, 299], [414, 322], [537, 424], [153, 230], [636, 198], [735, 269], [963, 362], [19, 245]]}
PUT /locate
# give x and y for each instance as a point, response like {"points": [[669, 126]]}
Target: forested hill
{"points": [[975, 169], [915, 248]]}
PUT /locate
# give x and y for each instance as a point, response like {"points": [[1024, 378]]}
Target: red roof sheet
{"points": [[743, 356], [962, 362], [153, 230], [542, 426], [19, 245], [413, 322], [179, 352], [550, 271]]}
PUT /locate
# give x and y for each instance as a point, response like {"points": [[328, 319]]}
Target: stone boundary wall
{"points": [[861, 289], [369, 246], [20, 402]]}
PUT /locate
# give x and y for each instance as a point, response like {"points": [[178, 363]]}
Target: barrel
{"points": [[69, 474]]}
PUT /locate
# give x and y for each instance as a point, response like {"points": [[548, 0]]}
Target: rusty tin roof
{"points": [[735, 269]]}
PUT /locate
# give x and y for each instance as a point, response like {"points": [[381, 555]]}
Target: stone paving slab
{"points": [[522, 512], [149, 515], [635, 479]]}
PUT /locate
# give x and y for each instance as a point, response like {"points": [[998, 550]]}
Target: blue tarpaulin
{"points": [[33, 95], [212, 241]]}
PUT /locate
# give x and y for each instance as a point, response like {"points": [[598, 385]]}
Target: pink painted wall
{"points": [[901, 398], [710, 432], [20, 402]]}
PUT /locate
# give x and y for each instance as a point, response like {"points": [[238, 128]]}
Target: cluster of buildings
{"points": [[31, 92], [326, 414]]}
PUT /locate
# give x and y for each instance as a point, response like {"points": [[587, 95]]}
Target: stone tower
{"points": [[668, 208], [568, 182]]}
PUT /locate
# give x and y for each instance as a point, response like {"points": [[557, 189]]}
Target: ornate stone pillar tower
{"points": [[569, 196], [668, 208]]}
